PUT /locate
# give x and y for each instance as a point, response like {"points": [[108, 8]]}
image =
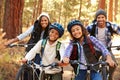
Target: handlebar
{"points": [[20, 45], [52, 65], [90, 66], [117, 47]]}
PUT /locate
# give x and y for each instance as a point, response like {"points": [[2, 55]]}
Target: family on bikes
{"points": [[88, 44]]}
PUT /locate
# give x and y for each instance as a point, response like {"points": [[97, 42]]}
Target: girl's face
{"points": [[101, 19], [53, 35], [44, 22], [76, 31]]}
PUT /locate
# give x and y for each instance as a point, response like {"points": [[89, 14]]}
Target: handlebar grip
{"points": [[11, 45]]}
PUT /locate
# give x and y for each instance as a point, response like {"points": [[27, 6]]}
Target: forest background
{"points": [[18, 15]]}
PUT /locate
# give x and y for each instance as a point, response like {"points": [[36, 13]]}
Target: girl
{"points": [[79, 49]]}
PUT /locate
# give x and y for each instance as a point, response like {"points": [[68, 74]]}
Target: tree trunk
{"points": [[37, 9], [115, 10], [80, 9], [13, 18], [1, 12], [101, 4], [110, 11]]}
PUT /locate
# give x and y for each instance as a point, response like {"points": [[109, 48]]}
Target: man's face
{"points": [[101, 19]]}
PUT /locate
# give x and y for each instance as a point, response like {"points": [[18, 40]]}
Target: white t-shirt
{"points": [[101, 35], [48, 55]]}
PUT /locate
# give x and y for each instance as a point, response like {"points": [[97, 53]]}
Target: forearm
{"points": [[12, 41], [110, 61], [36, 49], [26, 33], [108, 57]]}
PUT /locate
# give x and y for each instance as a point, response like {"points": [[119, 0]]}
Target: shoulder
{"points": [[90, 26], [112, 24]]}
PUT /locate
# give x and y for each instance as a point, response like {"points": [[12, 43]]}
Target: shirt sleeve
{"points": [[62, 51], [68, 50], [26, 33], [99, 45], [116, 28], [36, 49]]}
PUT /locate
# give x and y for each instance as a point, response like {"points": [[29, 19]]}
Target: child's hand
{"points": [[8, 43], [66, 60]]}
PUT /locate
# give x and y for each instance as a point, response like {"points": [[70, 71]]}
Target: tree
{"points": [[101, 4], [1, 12], [37, 9], [110, 10], [80, 9], [115, 9], [12, 25]]}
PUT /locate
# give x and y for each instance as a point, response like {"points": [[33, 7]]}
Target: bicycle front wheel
{"points": [[42, 75], [24, 73], [104, 73]]}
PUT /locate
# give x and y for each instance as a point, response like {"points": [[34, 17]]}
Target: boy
{"points": [[49, 55]]}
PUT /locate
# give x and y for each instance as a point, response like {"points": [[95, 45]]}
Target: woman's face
{"points": [[53, 35], [76, 31], [101, 19], [44, 22]]}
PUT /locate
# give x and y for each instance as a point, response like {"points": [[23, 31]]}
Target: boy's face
{"points": [[76, 31], [53, 35], [101, 19]]}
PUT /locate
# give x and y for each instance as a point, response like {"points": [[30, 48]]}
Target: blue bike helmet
{"points": [[58, 27], [72, 23]]}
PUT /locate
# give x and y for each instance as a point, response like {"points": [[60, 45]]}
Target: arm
{"points": [[99, 45], [67, 53], [36, 49], [20, 37], [105, 52], [11, 41], [26, 33], [116, 28], [62, 51]]}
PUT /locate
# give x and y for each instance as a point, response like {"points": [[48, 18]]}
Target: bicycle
{"points": [[33, 74], [33, 69], [102, 68]]}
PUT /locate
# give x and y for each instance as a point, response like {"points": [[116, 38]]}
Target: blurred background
{"points": [[17, 15]]}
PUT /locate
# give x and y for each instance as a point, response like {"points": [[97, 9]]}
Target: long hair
{"points": [[38, 28], [84, 32]]}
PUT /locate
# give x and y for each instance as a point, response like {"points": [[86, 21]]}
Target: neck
{"points": [[81, 39], [51, 41], [101, 26]]}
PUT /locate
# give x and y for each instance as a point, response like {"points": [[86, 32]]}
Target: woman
{"points": [[81, 48], [38, 31]]}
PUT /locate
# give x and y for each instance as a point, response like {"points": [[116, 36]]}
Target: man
{"points": [[103, 31]]}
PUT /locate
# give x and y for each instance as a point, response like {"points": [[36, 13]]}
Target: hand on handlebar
{"points": [[66, 60], [23, 60], [110, 61]]}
